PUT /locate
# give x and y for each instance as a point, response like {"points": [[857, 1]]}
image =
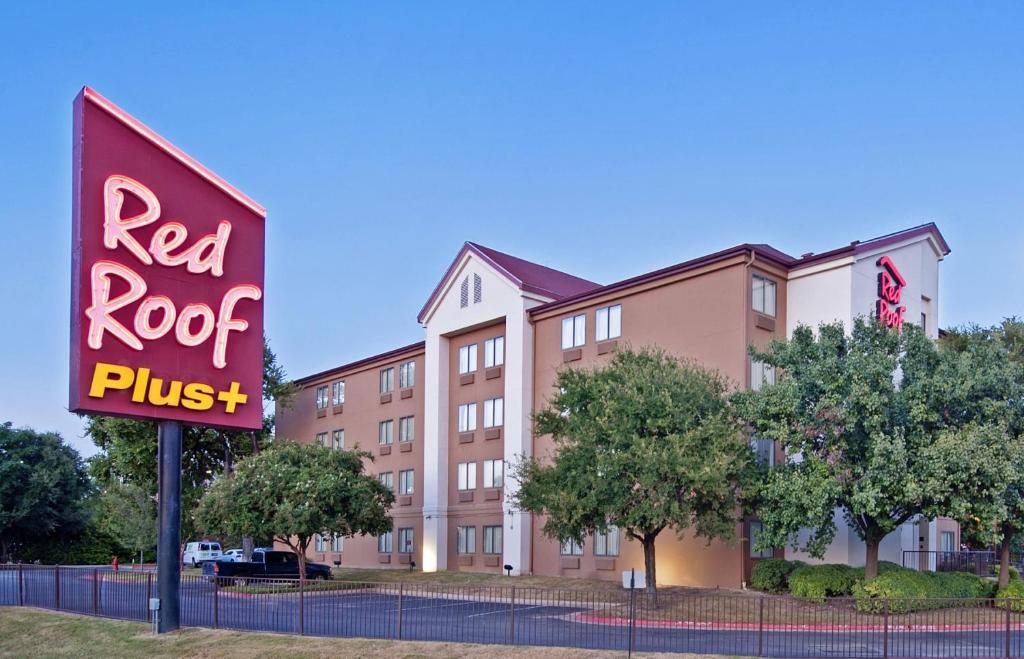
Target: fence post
{"points": [[21, 587], [398, 618], [56, 587], [632, 616], [1008, 629], [149, 594], [760, 626], [95, 591], [512, 622], [216, 602], [885, 630], [302, 612]]}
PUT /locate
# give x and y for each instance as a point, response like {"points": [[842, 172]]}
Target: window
{"points": [[338, 439], [387, 380], [572, 548], [494, 352], [387, 480], [319, 544], [574, 331], [763, 295], [492, 539], [321, 439], [338, 393], [755, 532], [406, 542], [467, 476], [494, 412], [384, 543], [494, 473], [467, 417], [407, 375], [924, 321], [607, 544], [467, 359], [466, 539], [321, 397], [947, 541], [609, 322], [761, 374], [764, 451], [406, 429], [337, 543], [386, 431], [406, 479]]}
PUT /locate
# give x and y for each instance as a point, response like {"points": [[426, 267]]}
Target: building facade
{"points": [[444, 418]]}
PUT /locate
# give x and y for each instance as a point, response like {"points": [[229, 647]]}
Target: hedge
{"points": [[771, 575], [816, 582], [994, 571], [1011, 596], [904, 590]]}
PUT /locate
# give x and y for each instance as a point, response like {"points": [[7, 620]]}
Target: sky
{"points": [[603, 139]]}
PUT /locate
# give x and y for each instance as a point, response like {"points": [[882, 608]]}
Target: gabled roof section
{"points": [[526, 275]]}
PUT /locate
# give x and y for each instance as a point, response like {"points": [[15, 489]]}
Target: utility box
{"points": [[633, 579]]}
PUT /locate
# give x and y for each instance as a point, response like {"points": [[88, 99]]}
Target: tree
{"points": [[291, 492], [644, 444], [986, 384], [866, 421], [43, 488], [129, 516]]}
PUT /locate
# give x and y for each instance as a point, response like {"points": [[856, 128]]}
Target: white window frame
{"points": [[607, 544], [467, 359], [338, 392], [756, 444], [494, 412], [574, 331], [608, 321], [384, 543], [571, 548], [321, 397], [494, 473], [386, 432], [493, 533], [338, 543], [407, 540], [387, 380], [764, 295], [407, 375], [387, 479], [467, 417], [466, 476], [321, 439], [761, 374], [338, 434], [494, 352], [465, 539], [406, 481], [407, 428]]}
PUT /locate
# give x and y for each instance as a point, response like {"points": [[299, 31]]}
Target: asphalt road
{"points": [[441, 617]]}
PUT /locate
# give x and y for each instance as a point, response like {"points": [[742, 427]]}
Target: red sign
{"points": [[890, 288], [167, 279]]}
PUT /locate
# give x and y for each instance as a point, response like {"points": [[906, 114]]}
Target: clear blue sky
{"points": [[605, 139]]}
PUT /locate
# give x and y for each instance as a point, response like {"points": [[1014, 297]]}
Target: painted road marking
{"points": [[503, 610]]}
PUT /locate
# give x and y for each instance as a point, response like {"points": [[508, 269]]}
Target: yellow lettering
{"points": [[198, 396], [110, 376], [141, 380], [157, 397]]}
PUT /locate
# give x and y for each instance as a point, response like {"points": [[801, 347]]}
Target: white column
{"points": [[435, 454], [518, 435]]}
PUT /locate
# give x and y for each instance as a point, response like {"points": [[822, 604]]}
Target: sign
{"points": [[890, 289], [166, 279]]}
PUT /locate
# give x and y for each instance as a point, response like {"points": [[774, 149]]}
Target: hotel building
{"points": [[446, 416]]}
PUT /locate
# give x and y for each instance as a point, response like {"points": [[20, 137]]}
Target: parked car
{"points": [[197, 553], [266, 564], [233, 555]]}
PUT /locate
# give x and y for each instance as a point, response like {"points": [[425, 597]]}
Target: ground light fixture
{"points": [[412, 565], [508, 569]]}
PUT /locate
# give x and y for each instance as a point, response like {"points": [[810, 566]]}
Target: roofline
{"points": [[764, 252], [470, 247], [97, 99], [419, 346]]}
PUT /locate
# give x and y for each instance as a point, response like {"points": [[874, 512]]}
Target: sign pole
{"points": [[168, 556]]}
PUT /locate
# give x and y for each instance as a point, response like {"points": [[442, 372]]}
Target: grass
{"points": [[36, 634]]}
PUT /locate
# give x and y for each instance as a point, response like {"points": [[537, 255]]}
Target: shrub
{"points": [[772, 574], [816, 582], [1011, 596], [994, 571], [906, 590]]}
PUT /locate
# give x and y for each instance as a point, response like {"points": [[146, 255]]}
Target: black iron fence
{"points": [[982, 563], [675, 620]]}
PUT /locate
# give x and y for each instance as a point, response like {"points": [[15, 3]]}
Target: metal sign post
{"points": [[168, 544]]}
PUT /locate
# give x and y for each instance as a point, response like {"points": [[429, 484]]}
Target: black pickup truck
{"points": [[265, 564]]}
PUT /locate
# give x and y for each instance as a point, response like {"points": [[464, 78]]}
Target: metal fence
{"points": [[676, 620], [982, 563]]}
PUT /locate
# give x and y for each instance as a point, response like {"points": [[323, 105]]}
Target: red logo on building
{"points": [[167, 280], [890, 288]]}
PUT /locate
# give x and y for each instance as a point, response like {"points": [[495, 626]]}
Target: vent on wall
{"points": [[478, 286], [464, 294]]}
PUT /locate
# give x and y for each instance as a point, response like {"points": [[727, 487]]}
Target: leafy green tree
{"points": [[646, 443], [872, 428], [43, 488], [129, 516], [291, 492], [985, 384]]}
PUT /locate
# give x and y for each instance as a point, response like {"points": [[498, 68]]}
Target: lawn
{"points": [[33, 633]]}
